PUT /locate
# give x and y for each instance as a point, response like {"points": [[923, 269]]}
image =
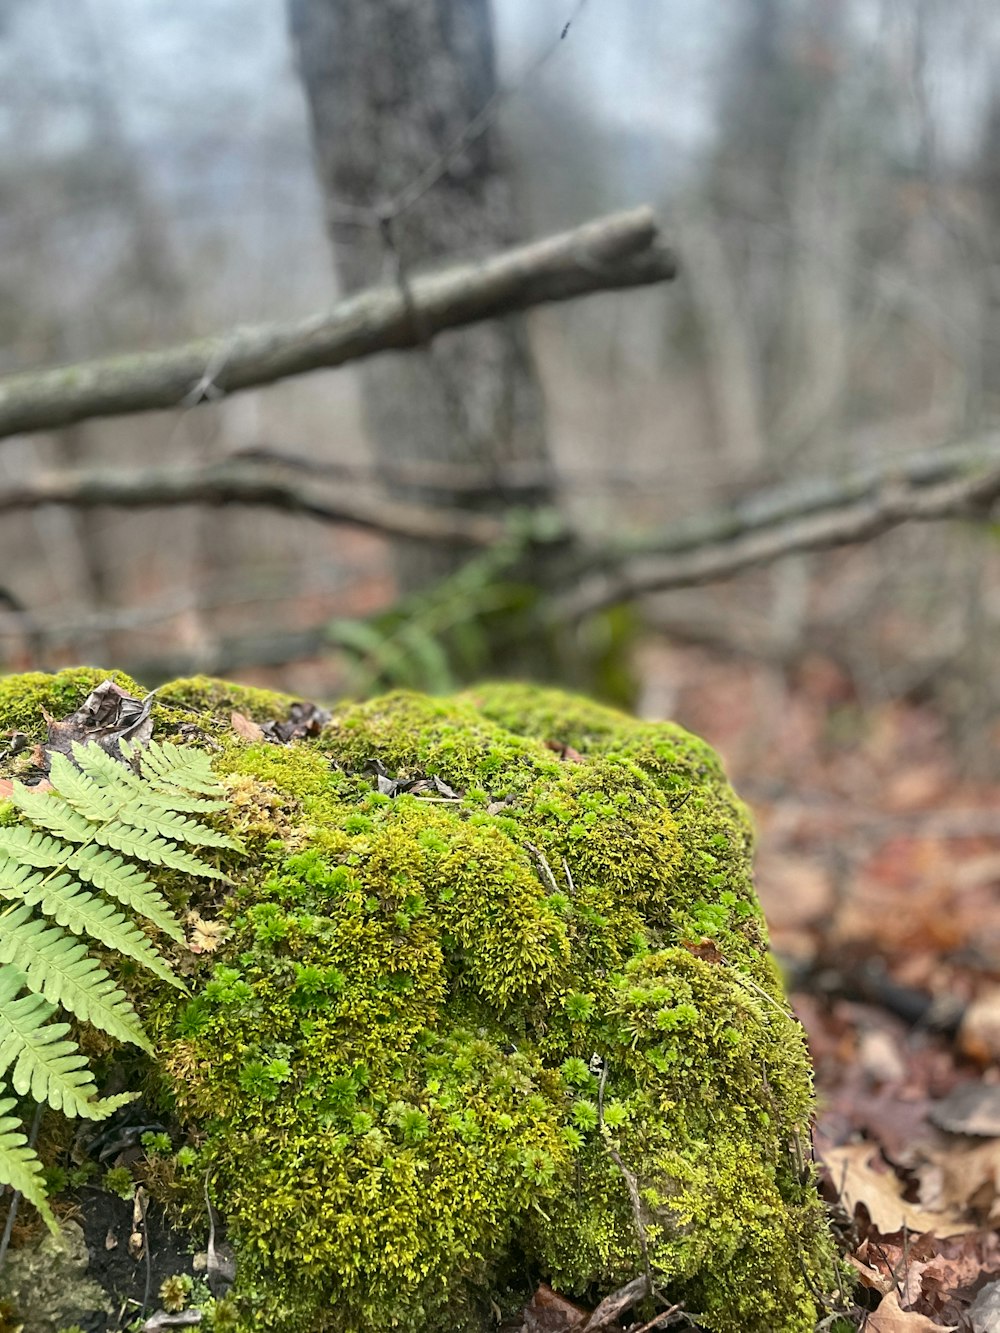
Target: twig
{"points": [[631, 1185], [556, 268], [543, 866], [657, 1320]]}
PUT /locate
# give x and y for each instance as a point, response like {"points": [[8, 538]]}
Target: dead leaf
{"points": [[984, 1312], [206, 936], [872, 1278], [707, 950], [972, 1108], [548, 1312], [304, 719], [881, 1193], [962, 1176], [979, 1035], [891, 1318], [565, 751], [245, 728], [108, 715]]}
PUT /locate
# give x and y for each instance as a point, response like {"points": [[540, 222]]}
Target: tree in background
{"points": [[391, 88]]}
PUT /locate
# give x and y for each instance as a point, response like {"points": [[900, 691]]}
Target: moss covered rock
{"points": [[492, 967]]}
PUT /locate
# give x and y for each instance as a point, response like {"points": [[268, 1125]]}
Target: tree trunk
{"points": [[391, 85]]}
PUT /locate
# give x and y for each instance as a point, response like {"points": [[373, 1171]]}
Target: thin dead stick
{"points": [[631, 1185], [544, 866]]}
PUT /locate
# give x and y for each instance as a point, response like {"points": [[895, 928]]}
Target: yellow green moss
{"points": [[25, 699], [389, 1061]]}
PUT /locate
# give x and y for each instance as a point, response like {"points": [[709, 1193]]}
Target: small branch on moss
{"points": [[543, 866], [631, 1184], [569, 878], [612, 1306], [618, 251], [661, 1320]]}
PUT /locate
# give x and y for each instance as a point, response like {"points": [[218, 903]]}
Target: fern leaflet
{"points": [[62, 970], [45, 1065], [19, 1164]]}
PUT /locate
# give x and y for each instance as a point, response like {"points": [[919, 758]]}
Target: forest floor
{"points": [[879, 868]]}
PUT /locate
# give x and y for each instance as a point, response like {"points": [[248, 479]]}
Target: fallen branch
{"points": [[228, 484], [617, 251], [948, 483]]}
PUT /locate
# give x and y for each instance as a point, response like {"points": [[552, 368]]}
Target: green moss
{"points": [[388, 1061], [213, 702], [25, 699]]}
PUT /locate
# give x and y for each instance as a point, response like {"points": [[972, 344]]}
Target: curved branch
{"points": [[620, 250], [943, 484], [224, 484]]}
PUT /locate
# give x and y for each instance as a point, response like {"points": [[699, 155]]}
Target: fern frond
{"points": [[103, 805], [129, 786], [82, 912], [170, 825], [167, 765], [104, 869], [47, 811], [154, 850], [58, 966], [44, 1065], [20, 1167], [92, 800], [97, 815]]}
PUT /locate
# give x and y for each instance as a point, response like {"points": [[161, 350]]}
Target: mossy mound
{"points": [[390, 1058]]}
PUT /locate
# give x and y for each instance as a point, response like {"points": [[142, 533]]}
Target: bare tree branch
{"points": [[227, 484], [946, 483], [620, 250], [950, 482]]}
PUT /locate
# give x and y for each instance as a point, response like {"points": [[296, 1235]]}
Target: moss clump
{"points": [[25, 699], [389, 1061]]}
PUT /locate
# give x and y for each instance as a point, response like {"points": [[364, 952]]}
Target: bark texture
{"points": [[391, 86]]}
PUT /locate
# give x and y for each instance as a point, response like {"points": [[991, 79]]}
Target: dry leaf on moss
{"points": [[204, 936], [245, 727]]}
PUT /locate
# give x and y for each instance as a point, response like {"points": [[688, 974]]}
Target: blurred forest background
{"points": [[828, 173]]}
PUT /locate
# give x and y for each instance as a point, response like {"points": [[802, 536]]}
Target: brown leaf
{"points": [[979, 1035], [707, 950], [870, 1277], [206, 936], [245, 728], [565, 752], [890, 1318], [548, 1312], [881, 1193], [962, 1176], [972, 1108], [108, 715]]}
